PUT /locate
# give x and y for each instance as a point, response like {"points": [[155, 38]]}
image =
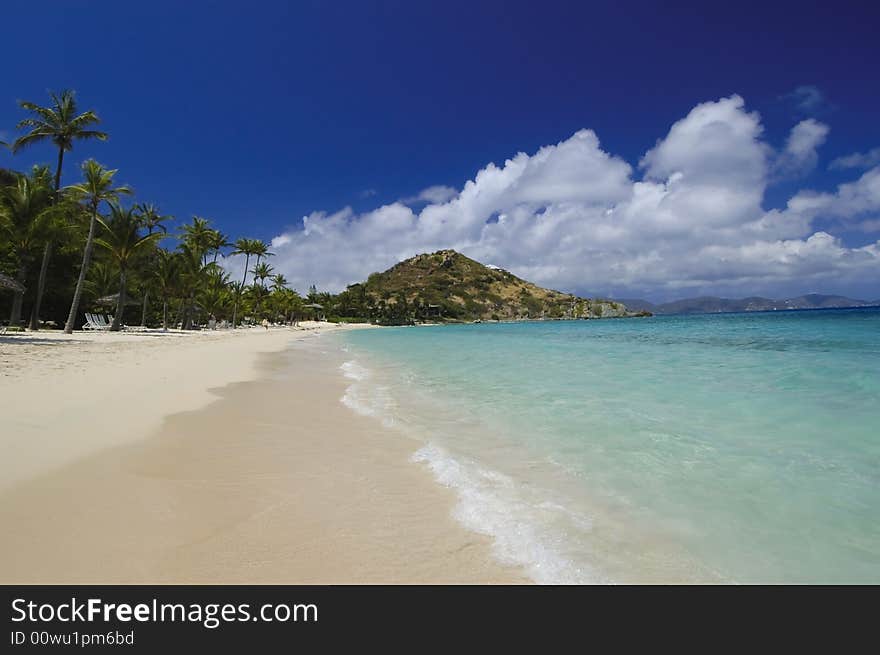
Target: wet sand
{"points": [[274, 481]]}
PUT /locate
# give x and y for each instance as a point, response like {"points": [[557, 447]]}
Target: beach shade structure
{"points": [[113, 299], [316, 309], [7, 282]]}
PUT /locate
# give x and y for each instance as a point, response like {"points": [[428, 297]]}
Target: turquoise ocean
{"points": [[727, 447]]}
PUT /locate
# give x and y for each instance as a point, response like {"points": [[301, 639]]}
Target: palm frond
{"points": [[26, 140], [92, 134]]}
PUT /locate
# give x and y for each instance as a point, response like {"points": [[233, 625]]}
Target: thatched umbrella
{"points": [[316, 309], [7, 282], [113, 299]]}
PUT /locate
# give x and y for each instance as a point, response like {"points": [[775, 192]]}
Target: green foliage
{"points": [[59, 123], [184, 281]]}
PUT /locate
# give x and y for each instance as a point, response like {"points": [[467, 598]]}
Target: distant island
{"points": [[715, 305], [446, 286]]}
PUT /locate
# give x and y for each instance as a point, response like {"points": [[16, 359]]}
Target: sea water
{"points": [[728, 447]]}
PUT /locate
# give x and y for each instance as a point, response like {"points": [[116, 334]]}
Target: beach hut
{"points": [[317, 310], [7, 282], [113, 299]]}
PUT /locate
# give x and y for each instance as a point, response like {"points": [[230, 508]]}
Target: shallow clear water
{"points": [[737, 447]]}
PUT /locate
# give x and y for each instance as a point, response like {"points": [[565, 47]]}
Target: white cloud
{"points": [[433, 194], [799, 156], [807, 99], [857, 160], [575, 217]]}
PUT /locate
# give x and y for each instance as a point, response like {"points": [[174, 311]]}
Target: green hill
{"points": [[447, 286]]}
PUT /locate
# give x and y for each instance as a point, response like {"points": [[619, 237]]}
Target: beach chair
{"points": [[94, 322]]}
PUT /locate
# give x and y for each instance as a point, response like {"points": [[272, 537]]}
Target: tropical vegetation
{"points": [[90, 247]]}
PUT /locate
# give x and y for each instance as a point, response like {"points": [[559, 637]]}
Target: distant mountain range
{"points": [[713, 304]]}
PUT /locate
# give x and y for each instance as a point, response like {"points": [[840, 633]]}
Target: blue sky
{"points": [[257, 114]]}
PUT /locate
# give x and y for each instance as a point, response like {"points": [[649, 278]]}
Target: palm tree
{"points": [[193, 273], [217, 241], [102, 280], [261, 272], [26, 222], [215, 291], [166, 276], [122, 238], [288, 302], [199, 235], [261, 250], [96, 187], [279, 282], [152, 220], [60, 124], [246, 247]]}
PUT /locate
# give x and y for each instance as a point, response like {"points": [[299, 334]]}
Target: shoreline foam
{"points": [[275, 481]]}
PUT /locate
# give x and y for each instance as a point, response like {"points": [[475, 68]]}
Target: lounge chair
{"points": [[95, 322]]}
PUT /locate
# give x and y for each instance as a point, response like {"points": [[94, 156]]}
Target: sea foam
{"points": [[492, 503], [489, 502], [364, 397]]}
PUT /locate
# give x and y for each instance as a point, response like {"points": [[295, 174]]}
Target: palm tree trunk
{"points": [[58, 172], [18, 298], [144, 310], [165, 314], [47, 254], [41, 286], [189, 312], [81, 281], [247, 259], [120, 308], [259, 303]]}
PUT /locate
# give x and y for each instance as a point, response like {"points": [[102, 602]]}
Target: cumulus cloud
{"points": [[575, 217], [857, 160], [433, 194], [807, 99], [800, 155]]}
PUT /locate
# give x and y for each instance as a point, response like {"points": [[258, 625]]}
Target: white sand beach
{"points": [[198, 457]]}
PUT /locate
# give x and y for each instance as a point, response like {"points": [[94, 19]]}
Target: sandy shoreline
{"points": [[69, 396], [172, 459]]}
